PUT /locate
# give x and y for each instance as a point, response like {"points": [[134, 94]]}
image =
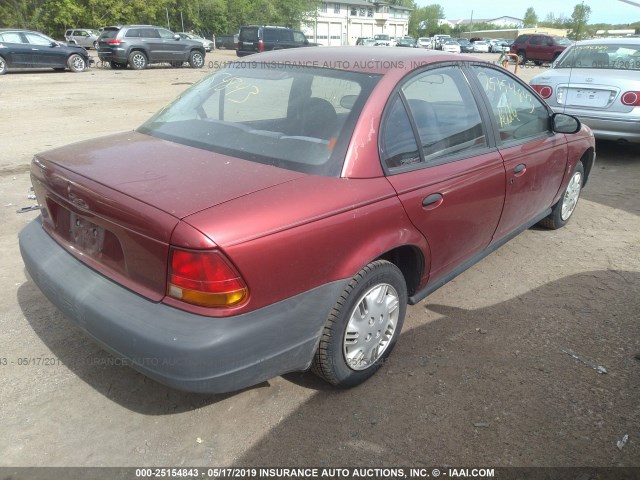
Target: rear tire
{"points": [[562, 211], [3, 66], [138, 60], [196, 59], [76, 63], [363, 326]]}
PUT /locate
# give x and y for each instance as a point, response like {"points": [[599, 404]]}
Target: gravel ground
{"points": [[504, 366]]}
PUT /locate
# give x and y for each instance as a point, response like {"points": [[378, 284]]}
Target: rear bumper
{"points": [[185, 351]]}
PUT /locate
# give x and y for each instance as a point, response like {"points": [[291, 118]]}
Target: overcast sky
{"points": [[602, 11]]}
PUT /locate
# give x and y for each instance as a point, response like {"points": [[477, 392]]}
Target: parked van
{"points": [[256, 39]]}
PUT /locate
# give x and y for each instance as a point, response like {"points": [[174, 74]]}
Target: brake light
{"points": [[260, 45], [113, 41], [545, 91], [204, 278], [631, 99]]}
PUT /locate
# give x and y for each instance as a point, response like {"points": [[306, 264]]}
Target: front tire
{"points": [[76, 63], [363, 326], [522, 57], [196, 59], [3, 66], [562, 211], [138, 60]]}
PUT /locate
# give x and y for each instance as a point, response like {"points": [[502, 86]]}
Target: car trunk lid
{"points": [[115, 202]]}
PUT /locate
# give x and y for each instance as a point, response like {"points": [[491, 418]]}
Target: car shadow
{"points": [[613, 180], [511, 384], [108, 375], [515, 383]]}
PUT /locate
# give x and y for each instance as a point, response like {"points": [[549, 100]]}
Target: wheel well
{"points": [[587, 160], [410, 262], [133, 50]]}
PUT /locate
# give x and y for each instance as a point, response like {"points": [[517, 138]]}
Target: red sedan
{"points": [[280, 214]]}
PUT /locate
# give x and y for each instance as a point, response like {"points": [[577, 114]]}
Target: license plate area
{"points": [[584, 97], [85, 235]]}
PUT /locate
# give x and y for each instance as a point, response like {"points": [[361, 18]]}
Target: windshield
{"points": [[562, 41], [289, 116], [381, 37], [611, 56]]}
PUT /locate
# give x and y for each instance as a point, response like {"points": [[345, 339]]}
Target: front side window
{"points": [[165, 34], [292, 117], [35, 39], [518, 113]]}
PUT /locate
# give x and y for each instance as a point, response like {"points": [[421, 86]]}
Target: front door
{"points": [[535, 158]]}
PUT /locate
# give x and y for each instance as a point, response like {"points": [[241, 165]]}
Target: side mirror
{"points": [[56, 44], [176, 37], [563, 123]]}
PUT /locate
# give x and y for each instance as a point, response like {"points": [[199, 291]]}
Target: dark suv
{"points": [[140, 45], [539, 48], [256, 39]]}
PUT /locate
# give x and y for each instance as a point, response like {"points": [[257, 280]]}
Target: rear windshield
{"points": [[249, 34], [612, 56], [294, 117], [110, 33]]}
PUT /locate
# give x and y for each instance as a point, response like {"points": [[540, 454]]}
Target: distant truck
{"points": [[382, 39]]}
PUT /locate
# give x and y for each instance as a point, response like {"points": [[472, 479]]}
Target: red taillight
{"points": [[631, 99], [260, 45], [544, 91], [204, 278], [113, 41]]}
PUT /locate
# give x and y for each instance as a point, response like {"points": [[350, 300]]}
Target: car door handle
{"points": [[432, 201], [520, 169]]}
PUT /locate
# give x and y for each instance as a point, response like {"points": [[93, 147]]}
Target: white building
{"points": [[342, 22], [499, 22]]}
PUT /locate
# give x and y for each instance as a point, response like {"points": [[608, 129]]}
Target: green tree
{"points": [[423, 21], [530, 18], [579, 21]]}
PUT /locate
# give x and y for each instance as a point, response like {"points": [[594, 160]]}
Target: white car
{"points": [[451, 46], [481, 46], [207, 44], [424, 42], [597, 81]]}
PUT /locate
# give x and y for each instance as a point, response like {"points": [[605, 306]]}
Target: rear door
{"points": [[535, 158], [452, 181], [15, 49]]}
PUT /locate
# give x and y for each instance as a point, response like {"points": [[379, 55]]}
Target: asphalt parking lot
{"points": [[530, 358]]}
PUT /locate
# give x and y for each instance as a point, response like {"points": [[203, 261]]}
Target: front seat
{"points": [[319, 119]]}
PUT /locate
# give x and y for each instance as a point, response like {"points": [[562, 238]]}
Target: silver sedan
{"points": [[597, 81]]}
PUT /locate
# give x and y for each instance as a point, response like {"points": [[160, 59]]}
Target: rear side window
{"points": [[522, 38], [536, 40], [10, 37], [270, 35]]}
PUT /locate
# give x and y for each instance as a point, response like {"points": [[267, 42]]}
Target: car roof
{"points": [[609, 41], [357, 59]]}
